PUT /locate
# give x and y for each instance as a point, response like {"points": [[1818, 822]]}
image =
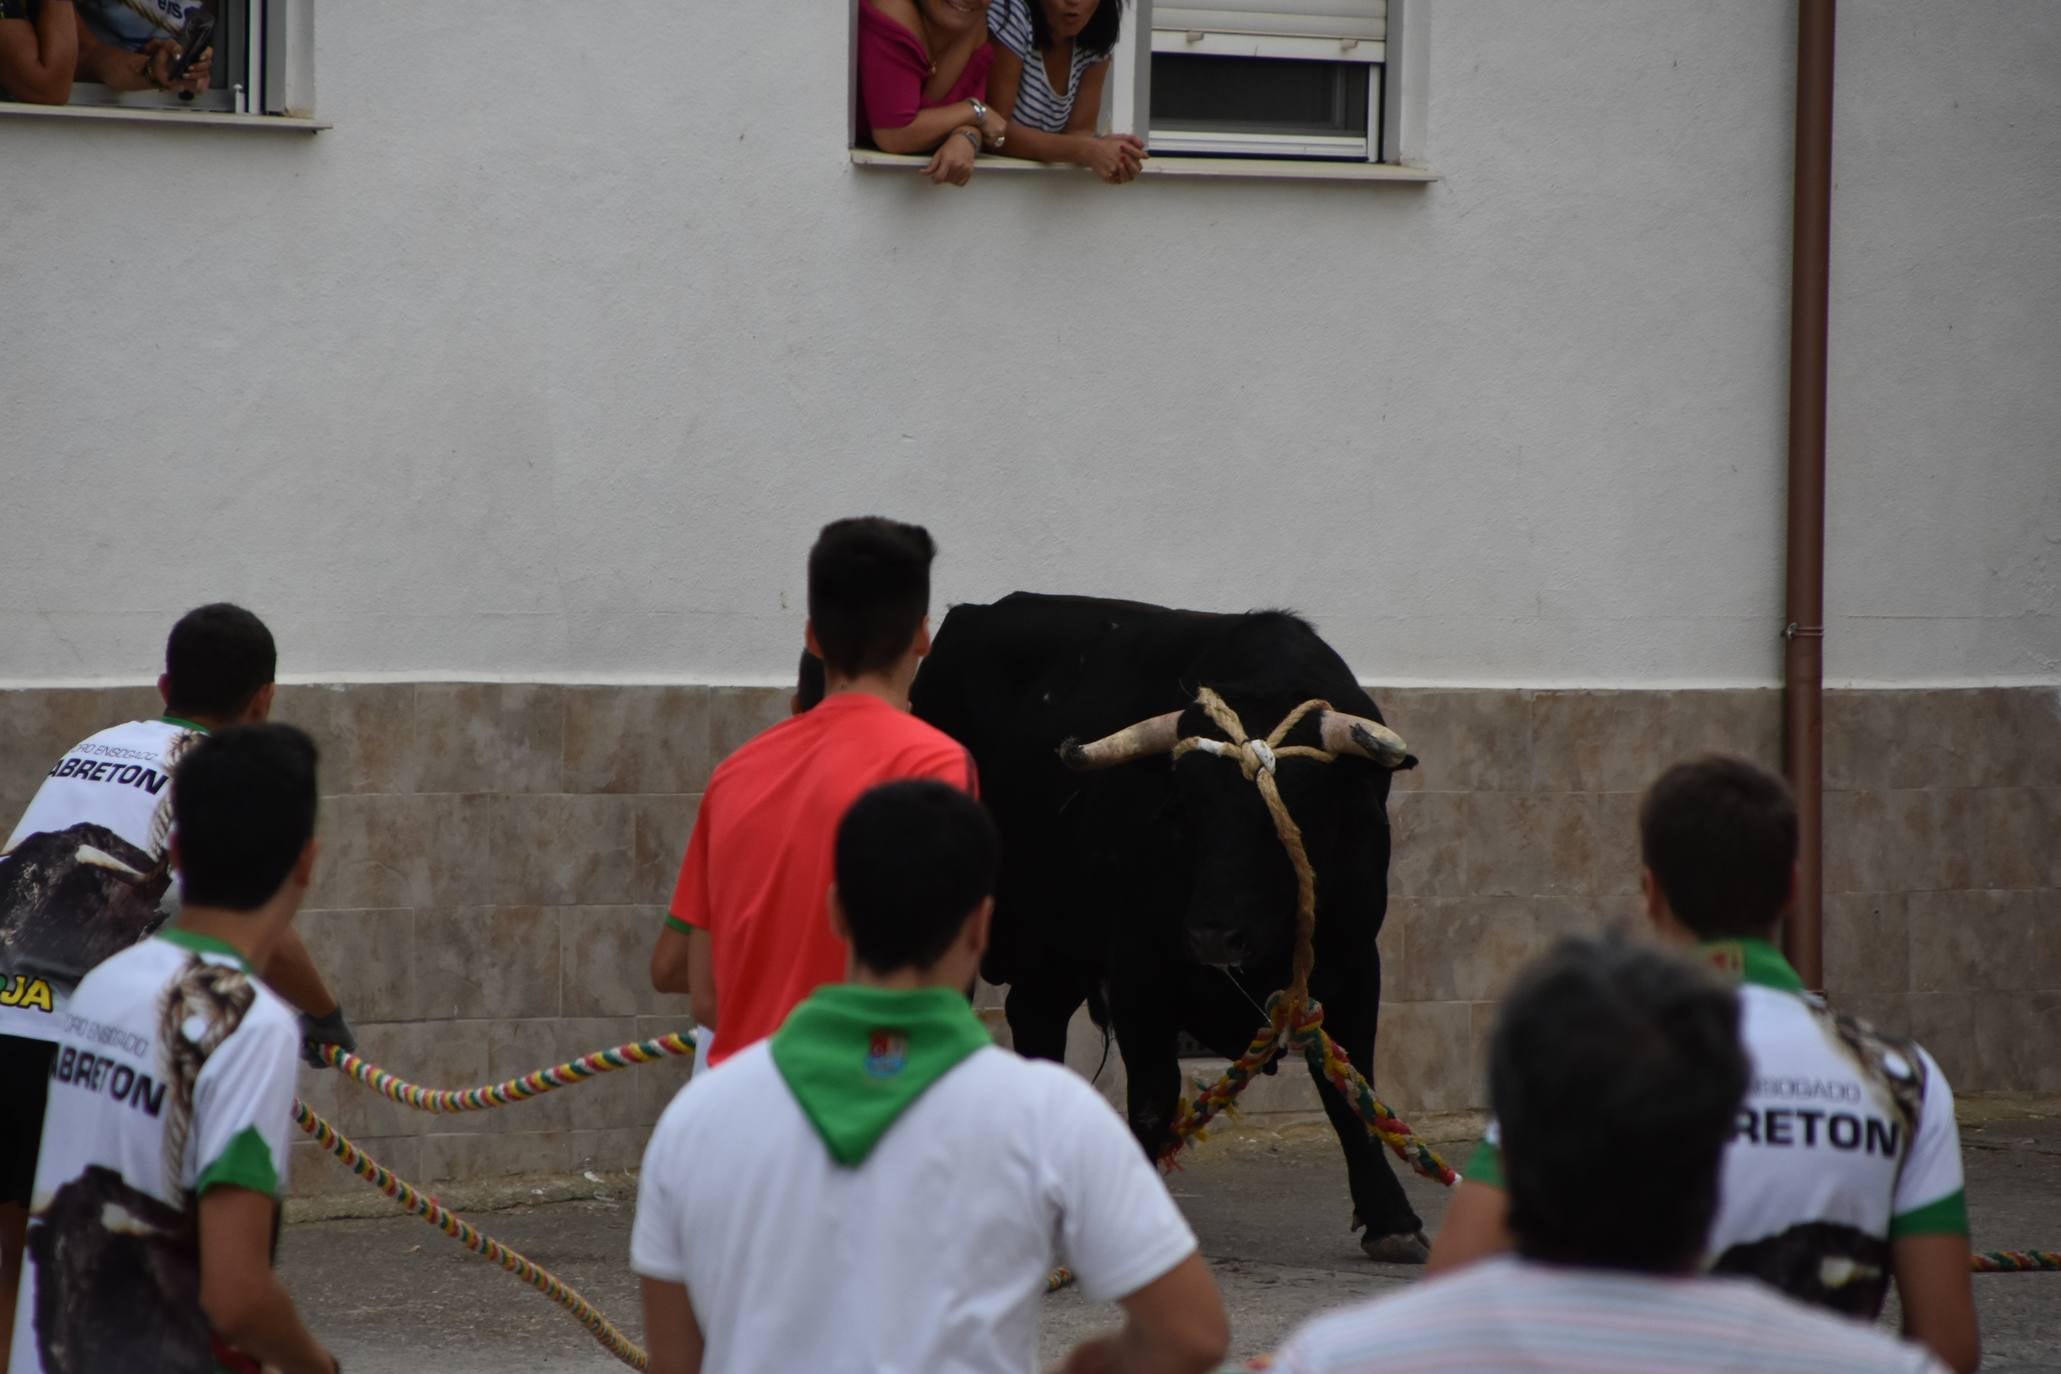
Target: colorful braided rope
{"points": [[1301, 1031], [515, 1089], [466, 1234], [2016, 1261]]}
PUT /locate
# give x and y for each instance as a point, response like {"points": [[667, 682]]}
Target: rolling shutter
{"points": [[1362, 20]]}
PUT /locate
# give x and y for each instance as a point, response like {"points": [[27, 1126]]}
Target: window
{"points": [[1273, 79], [261, 63]]}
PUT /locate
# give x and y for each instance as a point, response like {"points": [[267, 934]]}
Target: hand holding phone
{"points": [[194, 40]]}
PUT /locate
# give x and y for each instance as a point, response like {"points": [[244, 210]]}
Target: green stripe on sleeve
{"points": [[1946, 1217], [247, 1163], [1485, 1165], [675, 923]]}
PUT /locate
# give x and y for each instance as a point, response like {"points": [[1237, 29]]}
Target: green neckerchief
{"points": [[1753, 961], [857, 1057], [170, 719]]}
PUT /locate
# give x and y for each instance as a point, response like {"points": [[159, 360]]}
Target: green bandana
{"points": [[856, 1057], [1753, 961]]}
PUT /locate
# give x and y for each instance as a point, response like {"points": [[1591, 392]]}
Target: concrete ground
{"points": [[392, 1296]]}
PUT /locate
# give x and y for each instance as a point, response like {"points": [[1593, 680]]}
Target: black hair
{"points": [[216, 659], [808, 683], [1720, 838], [869, 589], [243, 809], [913, 861], [1615, 1073], [1097, 37]]}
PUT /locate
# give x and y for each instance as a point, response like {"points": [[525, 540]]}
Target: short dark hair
{"points": [[808, 682], [243, 809], [869, 589], [1098, 36], [1615, 1073], [1720, 838], [913, 861], [216, 660]]}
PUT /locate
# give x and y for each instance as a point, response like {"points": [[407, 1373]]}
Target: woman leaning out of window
{"points": [[923, 68], [1051, 64]]}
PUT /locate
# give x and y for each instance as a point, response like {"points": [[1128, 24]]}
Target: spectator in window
{"points": [[1617, 1071], [923, 73], [1051, 65], [132, 45], [39, 50]]}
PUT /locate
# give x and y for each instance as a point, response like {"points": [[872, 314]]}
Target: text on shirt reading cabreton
{"points": [[129, 774], [95, 1073], [1809, 1127]]}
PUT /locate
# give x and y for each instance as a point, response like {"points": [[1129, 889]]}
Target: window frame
{"points": [[1279, 146], [1397, 96]]}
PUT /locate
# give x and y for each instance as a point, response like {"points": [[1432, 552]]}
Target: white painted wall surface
{"points": [[549, 358]]}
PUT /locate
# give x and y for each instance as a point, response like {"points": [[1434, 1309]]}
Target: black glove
{"points": [[318, 1031]]}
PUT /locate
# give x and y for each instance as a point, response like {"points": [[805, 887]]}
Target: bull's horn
{"points": [[87, 854], [1344, 734], [1156, 735]]}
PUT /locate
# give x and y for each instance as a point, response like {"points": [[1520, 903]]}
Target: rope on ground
{"points": [[2017, 1261], [466, 1234], [515, 1089], [1295, 1023]]}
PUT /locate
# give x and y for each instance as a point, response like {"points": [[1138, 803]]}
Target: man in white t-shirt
{"points": [[165, 1142], [88, 872], [1641, 1049], [878, 1187], [1844, 1167]]}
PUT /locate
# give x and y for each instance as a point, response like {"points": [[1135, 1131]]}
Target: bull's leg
{"points": [[1148, 1024], [1394, 1231], [1039, 1008]]}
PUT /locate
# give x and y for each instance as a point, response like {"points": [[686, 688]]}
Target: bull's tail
{"points": [[1098, 1005]]}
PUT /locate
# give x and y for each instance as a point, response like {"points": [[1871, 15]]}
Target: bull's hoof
{"points": [[1404, 1247]]}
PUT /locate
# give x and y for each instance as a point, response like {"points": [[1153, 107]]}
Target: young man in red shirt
{"points": [[749, 934]]}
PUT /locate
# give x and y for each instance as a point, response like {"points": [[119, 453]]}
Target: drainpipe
{"points": [[1803, 658]]}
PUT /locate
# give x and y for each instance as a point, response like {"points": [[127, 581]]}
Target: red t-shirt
{"points": [[893, 66], [759, 866]]}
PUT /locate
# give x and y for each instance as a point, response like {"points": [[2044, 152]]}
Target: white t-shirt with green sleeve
{"points": [[174, 1075], [1845, 1142]]}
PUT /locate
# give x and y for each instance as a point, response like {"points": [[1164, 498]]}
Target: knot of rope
{"points": [[1258, 759]]}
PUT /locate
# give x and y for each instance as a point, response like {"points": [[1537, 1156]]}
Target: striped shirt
{"points": [[1505, 1316], [1038, 106]]}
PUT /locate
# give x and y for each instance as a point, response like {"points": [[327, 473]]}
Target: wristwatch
{"points": [[980, 113]]}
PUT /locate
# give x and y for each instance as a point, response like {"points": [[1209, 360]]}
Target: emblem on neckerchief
{"points": [[887, 1054]]}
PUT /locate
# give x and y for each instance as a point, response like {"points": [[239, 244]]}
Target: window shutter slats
{"points": [[1366, 20]]}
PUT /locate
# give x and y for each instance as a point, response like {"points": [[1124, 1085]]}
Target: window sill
{"points": [[1249, 169], [136, 115]]}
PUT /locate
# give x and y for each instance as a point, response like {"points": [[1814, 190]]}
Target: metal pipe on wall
{"points": [[1803, 665]]}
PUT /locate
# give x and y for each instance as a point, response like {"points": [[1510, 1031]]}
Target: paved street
{"points": [[395, 1297]]}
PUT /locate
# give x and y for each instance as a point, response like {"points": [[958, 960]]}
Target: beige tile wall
{"points": [[496, 859]]}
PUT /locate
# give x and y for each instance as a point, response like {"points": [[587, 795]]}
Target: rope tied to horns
{"points": [[1295, 1024], [1258, 759]]}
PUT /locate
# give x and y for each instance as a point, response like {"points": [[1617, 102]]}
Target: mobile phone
{"points": [[199, 32]]}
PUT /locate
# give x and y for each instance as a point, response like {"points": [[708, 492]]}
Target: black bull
{"points": [[1164, 887]]}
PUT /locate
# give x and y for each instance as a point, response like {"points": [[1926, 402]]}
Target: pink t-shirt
{"points": [[893, 67]]}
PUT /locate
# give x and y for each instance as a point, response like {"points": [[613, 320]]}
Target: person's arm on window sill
{"points": [[39, 57], [1113, 157]]}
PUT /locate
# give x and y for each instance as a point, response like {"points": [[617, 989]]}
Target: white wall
{"points": [[548, 359]]}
